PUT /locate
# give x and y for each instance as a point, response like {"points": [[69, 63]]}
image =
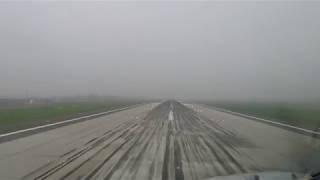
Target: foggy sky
{"points": [[206, 50]]}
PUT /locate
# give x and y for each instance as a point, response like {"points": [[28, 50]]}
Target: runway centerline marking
{"points": [[170, 116]]}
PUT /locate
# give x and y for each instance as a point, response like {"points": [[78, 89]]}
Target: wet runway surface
{"points": [[162, 141]]}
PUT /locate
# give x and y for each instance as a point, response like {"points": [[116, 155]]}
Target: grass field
{"points": [[305, 115], [12, 119]]}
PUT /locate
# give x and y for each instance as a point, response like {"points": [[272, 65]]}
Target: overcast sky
{"points": [[207, 50]]}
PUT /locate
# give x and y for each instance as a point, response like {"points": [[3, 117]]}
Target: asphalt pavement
{"points": [[164, 141]]}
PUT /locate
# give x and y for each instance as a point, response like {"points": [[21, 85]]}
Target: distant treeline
{"points": [[36, 101]]}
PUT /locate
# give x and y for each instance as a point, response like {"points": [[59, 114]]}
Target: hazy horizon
{"points": [[182, 50]]}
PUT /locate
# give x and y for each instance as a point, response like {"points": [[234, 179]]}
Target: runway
{"points": [[165, 141]]}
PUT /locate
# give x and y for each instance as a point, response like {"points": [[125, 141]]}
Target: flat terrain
{"points": [[22, 117], [303, 114], [163, 141]]}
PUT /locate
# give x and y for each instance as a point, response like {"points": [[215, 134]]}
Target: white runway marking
{"points": [[271, 122], [62, 122], [170, 116]]}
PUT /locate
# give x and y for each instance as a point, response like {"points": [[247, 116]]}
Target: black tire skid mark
{"points": [[66, 159], [93, 173], [61, 163], [147, 125]]}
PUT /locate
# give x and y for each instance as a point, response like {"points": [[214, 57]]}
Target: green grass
{"points": [[298, 114], [25, 117]]}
